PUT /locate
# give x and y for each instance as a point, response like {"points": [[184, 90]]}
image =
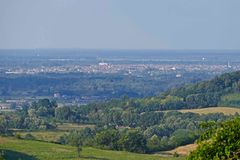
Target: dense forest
{"points": [[99, 84]]}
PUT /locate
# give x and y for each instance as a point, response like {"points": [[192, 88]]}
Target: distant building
{"points": [[178, 75], [5, 106], [103, 64], [57, 95], [229, 66]]}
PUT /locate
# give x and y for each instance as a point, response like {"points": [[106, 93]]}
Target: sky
{"points": [[120, 24]]}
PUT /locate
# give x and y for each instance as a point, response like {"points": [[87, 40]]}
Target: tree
{"points": [[134, 141], [219, 142], [3, 124], [181, 137], [108, 139], [75, 139], [129, 117], [62, 113], [153, 143], [44, 107], [2, 155], [13, 105]]}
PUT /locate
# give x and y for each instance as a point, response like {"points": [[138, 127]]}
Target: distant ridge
{"points": [[208, 93]]}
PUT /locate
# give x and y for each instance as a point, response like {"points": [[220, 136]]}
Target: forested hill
{"points": [[228, 82], [210, 93], [221, 91]]}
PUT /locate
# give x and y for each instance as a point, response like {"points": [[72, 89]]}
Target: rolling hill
{"points": [[36, 150]]}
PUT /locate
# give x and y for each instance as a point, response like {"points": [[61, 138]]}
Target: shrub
{"points": [[222, 142], [29, 137]]}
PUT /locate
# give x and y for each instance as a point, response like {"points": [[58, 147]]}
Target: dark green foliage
{"points": [[208, 93], [153, 143], [44, 107], [14, 155], [232, 100], [182, 137], [18, 136], [97, 84], [36, 116], [204, 94], [2, 155], [108, 139], [133, 141], [75, 139], [63, 113], [219, 142], [149, 119], [3, 124], [29, 137]]}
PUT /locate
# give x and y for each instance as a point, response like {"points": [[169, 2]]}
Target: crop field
{"points": [[35, 150], [224, 110], [183, 150]]}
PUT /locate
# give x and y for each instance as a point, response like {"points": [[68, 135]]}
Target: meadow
{"points": [[52, 135], [36, 150], [72, 126], [47, 136]]}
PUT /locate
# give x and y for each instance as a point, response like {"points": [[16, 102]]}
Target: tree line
{"points": [[115, 128]]}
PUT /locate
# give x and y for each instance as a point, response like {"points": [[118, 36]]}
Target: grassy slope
{"points": [[54, 135], [224, 110], [183, 150], [31, 150]]}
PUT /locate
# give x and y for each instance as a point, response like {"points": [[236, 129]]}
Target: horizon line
{"points": [[110, 49]]}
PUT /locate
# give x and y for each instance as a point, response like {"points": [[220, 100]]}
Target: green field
{"points": [[35, 150], [7, 110], [48, 136], [54, 135], [72, 126]]}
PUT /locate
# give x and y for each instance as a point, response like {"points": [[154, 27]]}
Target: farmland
{"points": [[224, 110]]}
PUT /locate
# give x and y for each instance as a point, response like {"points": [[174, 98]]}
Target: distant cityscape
{"points": [[135, 69]]}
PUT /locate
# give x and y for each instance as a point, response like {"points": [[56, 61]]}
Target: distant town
{"points": [[136, 69]]}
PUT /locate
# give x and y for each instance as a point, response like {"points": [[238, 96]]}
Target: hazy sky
{"points": [[120, 24]]}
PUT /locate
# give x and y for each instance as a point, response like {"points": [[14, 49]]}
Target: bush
{"points": [[29, 137], [18, 136], [2, 155], [133, 141], [223, 142]]}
